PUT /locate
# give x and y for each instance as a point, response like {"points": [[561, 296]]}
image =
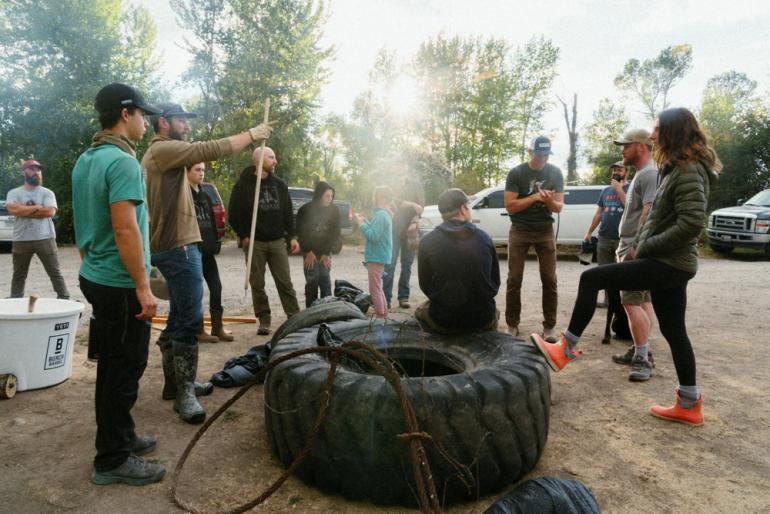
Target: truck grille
{"points": [[732, 223]]}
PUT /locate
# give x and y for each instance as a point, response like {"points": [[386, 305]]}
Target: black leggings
{"points": [[668, 289]]}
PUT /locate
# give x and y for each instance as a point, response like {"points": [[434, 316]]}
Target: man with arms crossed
{"points": [[110, 215], [33, 232]]}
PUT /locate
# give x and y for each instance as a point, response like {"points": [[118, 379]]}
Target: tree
{"points": [[54, 57], [738, 126], [534, 70], [652, 79], [609, 121], [572, 176]]}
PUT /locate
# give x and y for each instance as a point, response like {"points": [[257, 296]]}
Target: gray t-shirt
{"points": [[524, 180], [642, 191], [32, 229]]}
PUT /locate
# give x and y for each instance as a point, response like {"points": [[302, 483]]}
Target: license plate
{"points": [[727, 238]]}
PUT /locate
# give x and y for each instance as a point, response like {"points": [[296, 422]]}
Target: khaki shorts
{"points": [[634, 297]]}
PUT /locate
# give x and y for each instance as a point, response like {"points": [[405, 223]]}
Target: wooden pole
{"points": [[256, 202]]}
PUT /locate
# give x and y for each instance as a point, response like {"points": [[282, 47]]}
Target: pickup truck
{"points": [[746, 225], [489, 214]]}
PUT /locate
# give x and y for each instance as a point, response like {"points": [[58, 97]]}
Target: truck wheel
{"points": [[7, 386], [484, 398]]}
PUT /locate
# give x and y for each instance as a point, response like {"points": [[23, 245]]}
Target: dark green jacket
{"points": [[670, 232]]}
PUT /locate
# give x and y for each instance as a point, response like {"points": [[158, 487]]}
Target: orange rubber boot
{"points": [[558, 354], [679, 414]]}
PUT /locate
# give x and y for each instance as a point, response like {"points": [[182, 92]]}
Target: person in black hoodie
{"points": [[273, 234], [318, 228], [458, 271], [209, 246]]}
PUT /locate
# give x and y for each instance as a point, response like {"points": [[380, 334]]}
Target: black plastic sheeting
{"points": [[547, 495]]}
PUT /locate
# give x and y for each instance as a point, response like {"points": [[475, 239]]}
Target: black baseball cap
{"points": [[168, 110], [117, 96], [451, 200], [541, 145]]}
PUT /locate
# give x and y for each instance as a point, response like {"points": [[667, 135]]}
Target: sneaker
{"points": [[513, 330], [263, 330], [558, 354], [549, 334], [143, 445], [404, 304], [135, 471], [626, 358], [641, 369]]}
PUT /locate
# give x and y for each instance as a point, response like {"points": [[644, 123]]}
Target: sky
{"points": [[596, 38]]}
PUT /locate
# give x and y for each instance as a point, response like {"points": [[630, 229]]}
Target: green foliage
{"points": [[738, 126], [245, 51], [652, 79], [54, 57], [609, 122]]}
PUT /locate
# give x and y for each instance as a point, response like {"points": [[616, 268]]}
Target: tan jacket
{"points": [[172, 211]]}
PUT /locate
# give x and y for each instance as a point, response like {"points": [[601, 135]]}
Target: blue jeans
{"points": [[407, 258], [183, 271], [316, 278]]}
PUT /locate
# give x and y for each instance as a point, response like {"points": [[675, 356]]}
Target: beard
{"points": [[175, 134], [32, 181]]}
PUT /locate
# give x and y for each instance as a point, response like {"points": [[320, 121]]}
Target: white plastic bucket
{"points": [[36, 346]]}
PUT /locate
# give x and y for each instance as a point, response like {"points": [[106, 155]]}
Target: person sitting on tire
{"points": [[458, 271]]}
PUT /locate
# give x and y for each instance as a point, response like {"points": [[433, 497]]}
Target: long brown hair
{"points": [[681, 141]]}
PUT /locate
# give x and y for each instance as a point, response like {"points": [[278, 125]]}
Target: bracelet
{"points": [[253, 133]]}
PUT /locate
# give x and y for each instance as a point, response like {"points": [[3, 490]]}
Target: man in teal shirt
{"points": [[108, 200]]}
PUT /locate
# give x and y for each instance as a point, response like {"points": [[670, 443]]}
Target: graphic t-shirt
{"points": [[32, 229], [525, 181], [612, 210]]}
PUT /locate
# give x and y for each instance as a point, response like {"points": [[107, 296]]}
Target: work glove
{"points": [[261, 131]]}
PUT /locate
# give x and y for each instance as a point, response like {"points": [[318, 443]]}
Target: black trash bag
{"points": [[350, 293], [326, 337], [547, 495], [239, 370]]}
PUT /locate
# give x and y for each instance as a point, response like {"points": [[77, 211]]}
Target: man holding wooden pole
{"points": [[174, 238]]}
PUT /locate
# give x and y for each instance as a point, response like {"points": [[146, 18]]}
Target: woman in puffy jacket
{"points": [[666, 257]]}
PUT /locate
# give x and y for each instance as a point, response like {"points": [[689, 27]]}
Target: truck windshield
{"points": [[760, 199]]}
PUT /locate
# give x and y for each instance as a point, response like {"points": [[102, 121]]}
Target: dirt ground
{"points": [[600, 431]]}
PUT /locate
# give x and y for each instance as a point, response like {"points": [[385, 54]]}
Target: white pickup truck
{"points": [[489, 214]]}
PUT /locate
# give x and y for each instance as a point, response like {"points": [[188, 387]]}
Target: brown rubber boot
{"points": [[218, 330], [203, 337]]}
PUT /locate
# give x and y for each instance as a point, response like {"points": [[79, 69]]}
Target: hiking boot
{"points": [[135, 471], [263, 330], [513, 330], [549, 334], [143, 445], [217, 329], [169, 379], [641, 369], [626, 358], [185, 368], [558, 354], [203, 337], [404, 304], [676, 412]]}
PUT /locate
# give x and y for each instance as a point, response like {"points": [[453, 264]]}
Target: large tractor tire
{"points": [[484, 398]]}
